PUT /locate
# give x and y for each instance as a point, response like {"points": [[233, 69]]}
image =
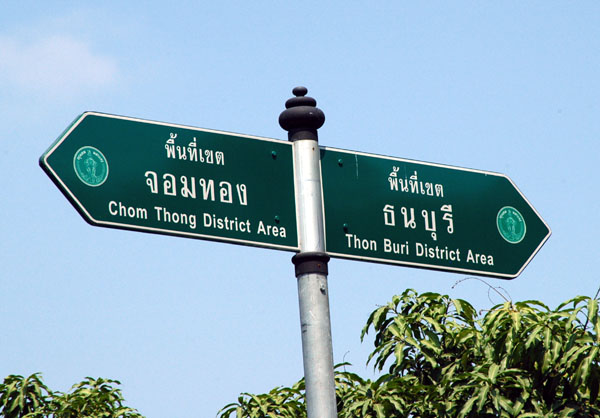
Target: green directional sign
{"points": [[397, 211], [163, 178]]}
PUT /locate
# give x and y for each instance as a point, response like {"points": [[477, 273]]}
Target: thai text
{"points": [[413, 184], [191, 152], [190, 187], [409, 218]]}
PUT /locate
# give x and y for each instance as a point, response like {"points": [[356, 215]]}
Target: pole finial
{"points": [[302, 117], [300, 91]]}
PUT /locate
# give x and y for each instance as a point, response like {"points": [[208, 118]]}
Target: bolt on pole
{"points": [[302, 119]]}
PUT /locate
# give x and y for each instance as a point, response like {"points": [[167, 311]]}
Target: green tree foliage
{"points": [[439, 358], [20, 396], [92, 398], [279, 402]]}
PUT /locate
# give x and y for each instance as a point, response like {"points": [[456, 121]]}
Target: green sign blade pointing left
{"points": [[127, 173]]}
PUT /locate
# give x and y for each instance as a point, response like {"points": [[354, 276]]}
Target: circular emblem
{"points": [[511, 224], [90, 166]]}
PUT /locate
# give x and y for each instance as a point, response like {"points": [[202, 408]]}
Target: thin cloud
{"points": [[56, 64]]}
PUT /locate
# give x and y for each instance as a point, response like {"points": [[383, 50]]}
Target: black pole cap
{"points": [[302, 117]]}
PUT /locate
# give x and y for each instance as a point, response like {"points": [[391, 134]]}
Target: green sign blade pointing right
{"points": [[397, 211]]}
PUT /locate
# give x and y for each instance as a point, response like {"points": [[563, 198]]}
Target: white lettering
{"points": [[361, 243], [210, 220], [480, 258], [164, 215], [119, 209], [271, 230], [395, 247], [439, 253]]}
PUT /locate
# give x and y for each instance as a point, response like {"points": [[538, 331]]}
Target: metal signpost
{"points": [[302, 119], [128, 173], [155, 177], [392, 210]]}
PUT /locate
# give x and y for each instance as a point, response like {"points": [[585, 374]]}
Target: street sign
{"points": [[397, 211], [135, 174]]}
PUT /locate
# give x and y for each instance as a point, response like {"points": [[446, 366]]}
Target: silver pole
{"points": [[302, 119]]}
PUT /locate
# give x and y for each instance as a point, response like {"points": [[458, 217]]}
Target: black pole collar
{"points": [[311, 262]]}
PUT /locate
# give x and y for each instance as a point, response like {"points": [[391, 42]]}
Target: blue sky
{"points": [[186, 325]]}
